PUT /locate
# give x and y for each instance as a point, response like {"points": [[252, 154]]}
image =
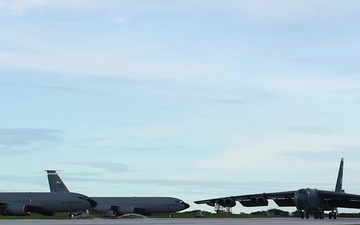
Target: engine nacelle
{"points": [[227, 202], [255, 201], [262, 201], [102, 208], [17, 209]]}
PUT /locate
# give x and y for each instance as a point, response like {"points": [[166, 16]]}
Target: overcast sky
{"points": [[193, 99]]}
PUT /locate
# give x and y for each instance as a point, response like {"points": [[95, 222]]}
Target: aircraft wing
{"points": [[328, 195], [340, 199], [284, 198]]}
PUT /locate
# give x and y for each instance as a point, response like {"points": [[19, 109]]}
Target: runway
{"points": [[178, 221]]}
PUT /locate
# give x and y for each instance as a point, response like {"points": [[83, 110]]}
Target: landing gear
{"points": [[319, 215], [304, 215], [333, 215], [72, 215]]}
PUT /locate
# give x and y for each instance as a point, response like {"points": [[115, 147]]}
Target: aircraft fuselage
{"points": [[144, 205], [308, 200], [44, 202]]}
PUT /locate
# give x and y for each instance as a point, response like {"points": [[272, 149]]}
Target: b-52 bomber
{"points": [[306, 200], [116, 206]]}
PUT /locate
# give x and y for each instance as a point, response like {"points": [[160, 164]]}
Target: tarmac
{"points": [[178, 221]]}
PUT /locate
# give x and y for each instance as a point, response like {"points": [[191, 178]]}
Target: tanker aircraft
{"points": [[116, 206], [45, 203], [306, 200]]}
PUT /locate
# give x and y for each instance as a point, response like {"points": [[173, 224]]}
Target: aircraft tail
{"points": [[339, 182], [55, 182]]}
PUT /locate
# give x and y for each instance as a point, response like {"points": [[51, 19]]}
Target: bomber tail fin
{"points": [[55, 182], [339, 182]]}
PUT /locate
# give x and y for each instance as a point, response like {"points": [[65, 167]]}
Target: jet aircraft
{"points": [[116, 206], [306, 200], [45, 203]]}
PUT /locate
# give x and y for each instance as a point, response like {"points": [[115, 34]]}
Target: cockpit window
{"points": [[179, 201]]}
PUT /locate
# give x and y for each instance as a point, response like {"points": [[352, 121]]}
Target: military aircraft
{"points": [[116, 206], [306, 200], [45, 203]]}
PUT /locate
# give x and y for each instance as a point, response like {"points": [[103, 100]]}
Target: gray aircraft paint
{"points": [[305, 199], [143, 205], [43, 202], [339, 181]]}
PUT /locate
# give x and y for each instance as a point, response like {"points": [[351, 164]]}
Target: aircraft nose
{"points": [[186, 205], [300, 202]]}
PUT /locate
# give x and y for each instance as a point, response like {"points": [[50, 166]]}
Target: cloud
{"points": [[314, 129], [332, 154], [110, 167], [61, 88], [24, 136], [276, 148], [245, 95], [255, 10], [18, 7], [98, 63], [229, 101], [294, 82]]}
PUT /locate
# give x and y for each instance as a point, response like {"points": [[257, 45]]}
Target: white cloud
{"points": [[24, 136], [325, 88], [103, 64], [272, 150], [18, 6], [255, 10], [303, 82]]}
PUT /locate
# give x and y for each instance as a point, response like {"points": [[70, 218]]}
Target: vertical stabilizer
{"points": [[338, 187], [55, 182]]}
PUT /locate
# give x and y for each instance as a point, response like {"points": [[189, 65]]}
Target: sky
{"points": [[192, 99]]}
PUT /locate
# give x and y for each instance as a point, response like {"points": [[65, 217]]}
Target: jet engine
{"points": [[17, 209], [101, 208], [227, 202], [255, 201], [262, 201]]}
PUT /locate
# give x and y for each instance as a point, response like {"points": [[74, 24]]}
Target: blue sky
{"points": [[192, 99]]}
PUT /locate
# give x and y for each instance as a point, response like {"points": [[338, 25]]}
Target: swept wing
{"points": [[340, 199], [284, 198]]}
